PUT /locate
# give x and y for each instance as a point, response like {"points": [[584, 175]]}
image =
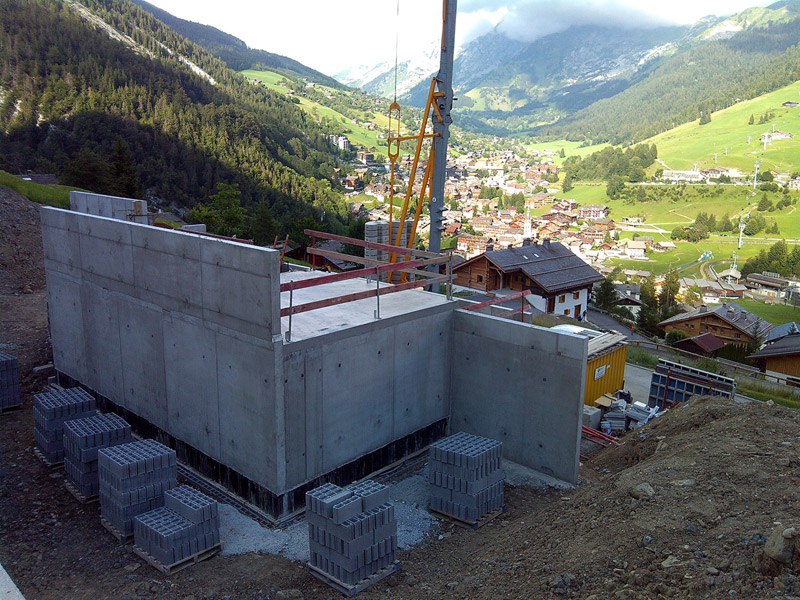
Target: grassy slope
{"points": [[55, 195], [774, 313], [691, 143], [357, 135]]}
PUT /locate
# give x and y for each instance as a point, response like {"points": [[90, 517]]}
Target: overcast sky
{"points": [[334, 35]]}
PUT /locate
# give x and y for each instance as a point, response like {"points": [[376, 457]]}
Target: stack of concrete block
{"points": [[133, 479], [466, 476], [352, 531], [51, 410], [378, 232], [185, 526], [9, 381], [82, 440]]}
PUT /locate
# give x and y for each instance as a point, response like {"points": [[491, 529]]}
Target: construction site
{"points": [[185, 416], [721, 474], [687, 502]]}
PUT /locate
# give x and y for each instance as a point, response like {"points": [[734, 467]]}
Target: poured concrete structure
{"points": [[113, 207], [182, 335]]}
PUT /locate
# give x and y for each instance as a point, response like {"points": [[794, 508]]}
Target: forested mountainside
{"points": [[700, 80], [233, 51], [82, 83], [616, 82]]}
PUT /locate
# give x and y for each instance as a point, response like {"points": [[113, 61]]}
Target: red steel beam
{"points": [[334, 277], [373, 245], [388, 289], [499, 300]]}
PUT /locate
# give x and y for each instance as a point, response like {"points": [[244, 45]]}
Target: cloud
{"points": [[532, 19]]}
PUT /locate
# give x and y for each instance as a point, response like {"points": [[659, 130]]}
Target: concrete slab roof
{"points": [[348, 314]]}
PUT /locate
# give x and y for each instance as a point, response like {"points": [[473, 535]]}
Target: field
{"points": [[666, 214], [774, 313], [357, 135], [570, 148], [691, 143]]}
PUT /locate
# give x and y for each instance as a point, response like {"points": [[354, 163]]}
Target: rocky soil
{"points": [[697, 504]]}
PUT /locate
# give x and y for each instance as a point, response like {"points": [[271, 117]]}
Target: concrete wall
{"points": [[522, 385], [113, 207], [174, 327], [183, 331], [354, 391]]}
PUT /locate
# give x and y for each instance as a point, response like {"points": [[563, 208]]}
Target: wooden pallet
{"points": [[470, 524], [48, 464], [348, 589], [78, 496], [120, 537], [10, 409], [181, 564]]}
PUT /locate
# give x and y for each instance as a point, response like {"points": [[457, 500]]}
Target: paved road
{"points": [[608, 322], [637, 382]]}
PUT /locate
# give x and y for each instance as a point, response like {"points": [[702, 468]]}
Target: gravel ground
{"points": [[415, 525], [241, 534]]}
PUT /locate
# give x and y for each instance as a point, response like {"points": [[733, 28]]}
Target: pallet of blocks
{"points": [[10, 398], [352, 535], [466, 478], [133, 479], [82, 440], [181, 533], [51, 409]]}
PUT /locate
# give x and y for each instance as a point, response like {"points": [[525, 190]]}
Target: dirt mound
{"points": [[681, 509], [21, 258], [23, 299]]}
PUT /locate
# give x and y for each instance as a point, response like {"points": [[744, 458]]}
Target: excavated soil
{"points": [[718, 476]]}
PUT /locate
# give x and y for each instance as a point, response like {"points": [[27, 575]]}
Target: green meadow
{"points": [[690, 143], [357, 135]]}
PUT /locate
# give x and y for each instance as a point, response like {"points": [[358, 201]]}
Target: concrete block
{"points": [[591, 416]]}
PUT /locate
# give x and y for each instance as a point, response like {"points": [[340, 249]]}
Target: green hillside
{"points": [[705, 78], [692, 143], [152, 105]]}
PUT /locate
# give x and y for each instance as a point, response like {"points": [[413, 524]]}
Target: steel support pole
{"points": [[443, 103]]}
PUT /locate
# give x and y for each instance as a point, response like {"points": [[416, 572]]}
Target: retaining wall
{"points": [[522, 385]]}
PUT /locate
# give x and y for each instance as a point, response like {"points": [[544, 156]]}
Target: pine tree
{"points": [[648, 318], [604, 294], [123, 171]]}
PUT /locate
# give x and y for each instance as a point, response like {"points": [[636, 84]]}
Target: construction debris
{"points": [[51, 409], [466, 476], [673, 382]]}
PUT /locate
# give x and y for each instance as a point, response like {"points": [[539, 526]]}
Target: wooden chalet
{"points": [[558, 280], [781, 358], [729, 322]]}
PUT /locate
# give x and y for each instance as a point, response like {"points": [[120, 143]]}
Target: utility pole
{"points": [[442, 103], [741, 232], [755, 179]]}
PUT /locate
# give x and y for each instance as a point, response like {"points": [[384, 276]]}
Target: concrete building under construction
{"points": [[272, 383]]}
